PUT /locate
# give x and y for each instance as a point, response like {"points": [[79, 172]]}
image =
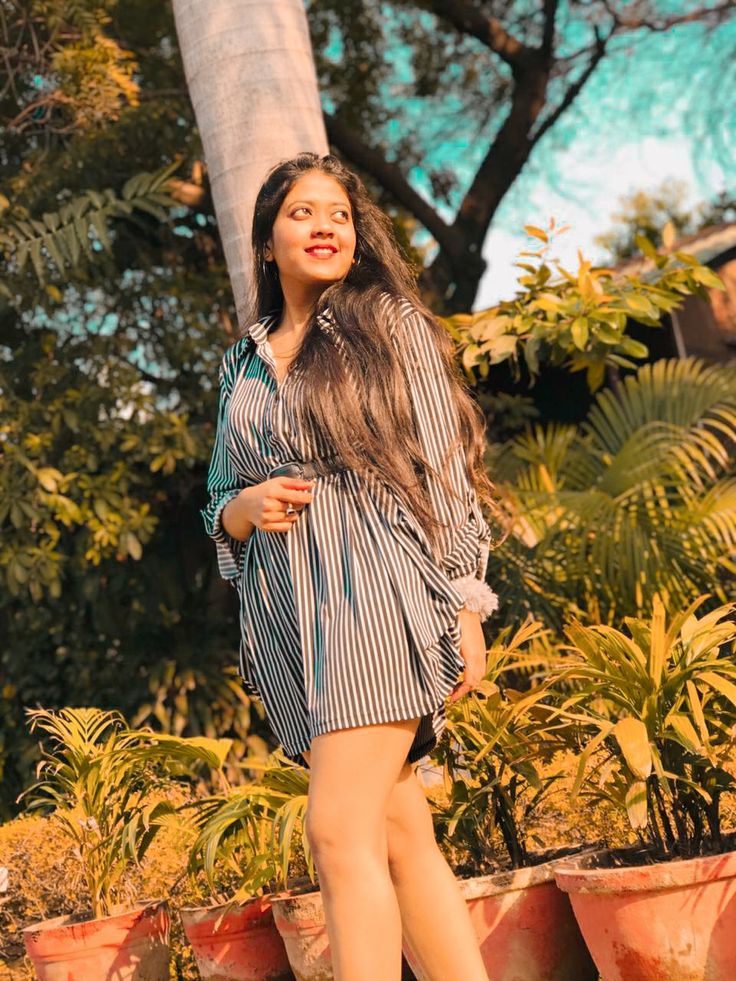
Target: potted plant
{"points": [[102, 781], [244, 851], [497, 739], [655, 712], [255, 834]]}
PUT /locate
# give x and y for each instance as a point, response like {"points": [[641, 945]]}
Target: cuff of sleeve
{"points": [[478, 595], [229, 549]]}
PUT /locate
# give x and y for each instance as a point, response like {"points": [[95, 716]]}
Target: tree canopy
{"points": [[115, 306]]}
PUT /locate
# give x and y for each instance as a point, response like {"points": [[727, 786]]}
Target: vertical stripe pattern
{"points": [[349, 618]]}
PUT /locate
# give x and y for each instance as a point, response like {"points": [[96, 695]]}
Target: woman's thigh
{"points": [[352, 773], [409, 825]]}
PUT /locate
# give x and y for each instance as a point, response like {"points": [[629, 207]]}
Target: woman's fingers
{"points": [[296, 491], [460, 689], [286, 490], [296, 496]]}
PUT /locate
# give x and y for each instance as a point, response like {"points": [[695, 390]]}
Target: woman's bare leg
{"points": [[434, 915], [352, 774]]}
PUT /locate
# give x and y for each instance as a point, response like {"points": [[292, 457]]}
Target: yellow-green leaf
{"points": [[686, 733], [636, 805], [708, 278], [579, 331], [697, 711], [657, 652], [48, 478], [135, 549], [721, 685], [631, 735], [646, 246]]}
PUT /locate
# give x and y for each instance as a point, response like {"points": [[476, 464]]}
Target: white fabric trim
{"points": [[478, 595]]}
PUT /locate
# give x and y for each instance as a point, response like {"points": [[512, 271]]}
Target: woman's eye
{"points": [[342, 211]]}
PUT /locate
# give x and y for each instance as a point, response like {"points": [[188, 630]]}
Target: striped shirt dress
{"points": [[348, 618]]}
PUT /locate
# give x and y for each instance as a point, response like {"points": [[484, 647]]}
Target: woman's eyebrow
{"points": [[304, 201]]}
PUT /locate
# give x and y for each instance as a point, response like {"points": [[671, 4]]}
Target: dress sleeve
{"points": [[223, 483], [465, 540]]}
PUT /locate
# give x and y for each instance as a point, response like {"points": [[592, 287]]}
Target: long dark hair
{"points": [[370, 426]]}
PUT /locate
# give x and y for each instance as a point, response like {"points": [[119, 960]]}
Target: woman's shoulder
{"points": [[400, 311], [233, 359]]}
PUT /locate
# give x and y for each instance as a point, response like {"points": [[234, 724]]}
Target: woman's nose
{"points": [[323, 224]]}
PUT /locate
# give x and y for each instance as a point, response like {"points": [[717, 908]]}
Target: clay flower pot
{"points": [[525, 927], [674, 921], [130, 946], [300, 919], [239, 943]]}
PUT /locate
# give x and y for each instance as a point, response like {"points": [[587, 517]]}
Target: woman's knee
{"points": [[352, 774]]}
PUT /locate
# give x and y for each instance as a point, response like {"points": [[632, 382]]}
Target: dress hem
{"points": [[389, 715]]}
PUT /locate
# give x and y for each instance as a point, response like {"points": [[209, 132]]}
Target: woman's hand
{"points": [[263, 506], [472, 651], [266, 502]]}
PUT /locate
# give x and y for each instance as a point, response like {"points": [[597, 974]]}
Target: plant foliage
{"points": [[99, 777], [655, 707]]}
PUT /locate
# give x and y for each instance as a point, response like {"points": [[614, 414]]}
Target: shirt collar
{"points": [[260, 329]]}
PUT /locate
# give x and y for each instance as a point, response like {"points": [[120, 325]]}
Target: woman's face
{"points": [[313, 236]]}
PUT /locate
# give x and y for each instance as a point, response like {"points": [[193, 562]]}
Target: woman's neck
{"points": [[299, 303]]}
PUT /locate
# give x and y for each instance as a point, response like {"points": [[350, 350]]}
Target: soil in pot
{"points": [[666, 921], [129, 946], [525, 927], [237, 942]]}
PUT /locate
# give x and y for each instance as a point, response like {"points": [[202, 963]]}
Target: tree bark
{"points": [[253, 87]]}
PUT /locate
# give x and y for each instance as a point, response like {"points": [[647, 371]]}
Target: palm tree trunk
{"points": [[253, 87]]}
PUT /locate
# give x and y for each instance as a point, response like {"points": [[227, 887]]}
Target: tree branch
{"points": [[575, 89], [390, 177], [467, 19], [702, 13], [548, 35]]}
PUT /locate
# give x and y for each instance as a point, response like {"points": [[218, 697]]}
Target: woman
{"points": [[344, 502]]}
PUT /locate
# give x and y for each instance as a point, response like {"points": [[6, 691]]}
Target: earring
{"points": [[357, 261]]}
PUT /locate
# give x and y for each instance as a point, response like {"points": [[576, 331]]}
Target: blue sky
{"points": [[585, 203], [660, 106]]}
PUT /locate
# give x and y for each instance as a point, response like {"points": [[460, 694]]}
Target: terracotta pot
{"points": [[239, 943], [525, 928], [672, 921], [130, 946], [300, 918]]}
